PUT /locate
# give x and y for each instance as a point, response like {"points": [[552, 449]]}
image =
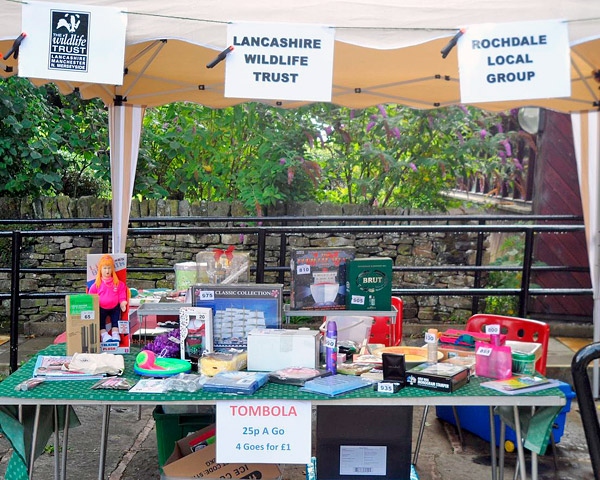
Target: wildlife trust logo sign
{"points": [[69, 41]]}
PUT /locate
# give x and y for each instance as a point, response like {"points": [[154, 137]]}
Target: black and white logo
{"points": [[69, 41]]}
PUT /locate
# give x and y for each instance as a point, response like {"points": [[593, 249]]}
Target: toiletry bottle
{"points": [[431, 339], [331, 347]]}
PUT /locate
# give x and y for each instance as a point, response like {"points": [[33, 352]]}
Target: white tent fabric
{"points": [[386, 51], [125, 127], [586, 138]]}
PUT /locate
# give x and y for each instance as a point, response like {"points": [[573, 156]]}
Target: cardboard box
{"points": [[83, 323], [274, 349], [318, 280], [369, 284], [202, 463], [238, 309]]}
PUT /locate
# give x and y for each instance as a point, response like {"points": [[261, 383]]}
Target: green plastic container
{"points": [[171, 427], [523, 363]]}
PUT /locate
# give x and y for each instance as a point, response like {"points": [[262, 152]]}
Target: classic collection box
{"points": [[238, 309], [318, 278]]}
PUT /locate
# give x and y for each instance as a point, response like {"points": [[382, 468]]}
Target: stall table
{"points": [[53, 393]]}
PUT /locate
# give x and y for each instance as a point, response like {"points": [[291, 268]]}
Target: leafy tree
{"points": [[251, 152], [396, 156], [44, 135]]}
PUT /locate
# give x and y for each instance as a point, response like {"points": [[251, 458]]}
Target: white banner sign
{"points": [[279, 62], [79, 43], [265, 431], [514, 61]]}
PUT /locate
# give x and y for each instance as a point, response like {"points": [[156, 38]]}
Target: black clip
{"points": [[14, 50]]}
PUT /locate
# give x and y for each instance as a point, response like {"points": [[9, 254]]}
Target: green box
{"points": [[171, 427], [369, 284]]}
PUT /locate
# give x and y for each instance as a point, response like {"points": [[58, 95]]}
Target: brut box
{"points": [[369, 284]]}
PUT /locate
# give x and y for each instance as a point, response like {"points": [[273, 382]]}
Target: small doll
{"points": [[112, 294]]}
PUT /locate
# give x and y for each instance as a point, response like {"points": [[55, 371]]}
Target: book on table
{"points": [[521, 384], [56, 367]]}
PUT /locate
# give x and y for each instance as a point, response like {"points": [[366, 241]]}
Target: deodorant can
{"points": [[331, 347]]}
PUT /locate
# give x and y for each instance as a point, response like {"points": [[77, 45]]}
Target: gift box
{"points": [[222, 266], [318, 280]]}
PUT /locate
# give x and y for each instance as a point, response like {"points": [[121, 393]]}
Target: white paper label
{"points": [[88, 315], [492, 329], [430, 338], [485, 351], [303, 269], [363, 460]]}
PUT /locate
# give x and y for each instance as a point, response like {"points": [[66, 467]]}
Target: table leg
{"points": [[493, 443], [501, 449], [420, 437], [36, 425], [103, 441], [56, 443], [65, 443], [519, 441]]}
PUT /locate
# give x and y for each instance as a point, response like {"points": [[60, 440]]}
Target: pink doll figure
{"points": [[112, 294]]}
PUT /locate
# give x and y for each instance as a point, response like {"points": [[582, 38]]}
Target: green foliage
{"points": [[510, 253], [396, 156], [44, 134], [251, 153]]}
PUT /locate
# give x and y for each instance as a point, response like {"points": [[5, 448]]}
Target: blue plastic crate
{"points": [[475, 419]]}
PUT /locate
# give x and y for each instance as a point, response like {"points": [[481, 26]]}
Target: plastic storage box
{"points": [[475, 419], [171, 427]]}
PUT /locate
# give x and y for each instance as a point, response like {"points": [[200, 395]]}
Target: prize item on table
{"points": [[296, 375], [185, 382], [112, 293], [113, 383], [336, 384], [166, 345], [215, 362], [354, 368], [243, 383], [186, 274], [29, 384], [83, 323], [369, 283], [107, 277], [442, 377], [222, 266], [431, 340], [521, 384], [413, 356], [493, 360], [195, 332], [318, 278], [57, 367], [148, 364], [149, 385], [465, 338], [331, 347], [394, 367], [238, 309], [275, 348]]}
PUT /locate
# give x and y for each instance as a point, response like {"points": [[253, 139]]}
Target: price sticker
{"points": [[484, 351], [430, 337], [303, 269], [330, 342], [207, 295], [88, 315], [387, 387], [492, 329], [357, 300]]}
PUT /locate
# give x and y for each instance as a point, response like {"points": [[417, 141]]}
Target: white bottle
{"points": [[431, 339]]}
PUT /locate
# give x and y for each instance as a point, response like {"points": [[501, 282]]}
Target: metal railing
{"points": [[284, 228]]}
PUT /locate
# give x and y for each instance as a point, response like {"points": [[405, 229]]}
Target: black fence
{"points": [[282, 228]]}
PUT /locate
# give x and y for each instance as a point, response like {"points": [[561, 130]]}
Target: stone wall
{"points": [[68, 252]]}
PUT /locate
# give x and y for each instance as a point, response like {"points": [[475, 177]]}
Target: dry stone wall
{"points": [[66, 254]]}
